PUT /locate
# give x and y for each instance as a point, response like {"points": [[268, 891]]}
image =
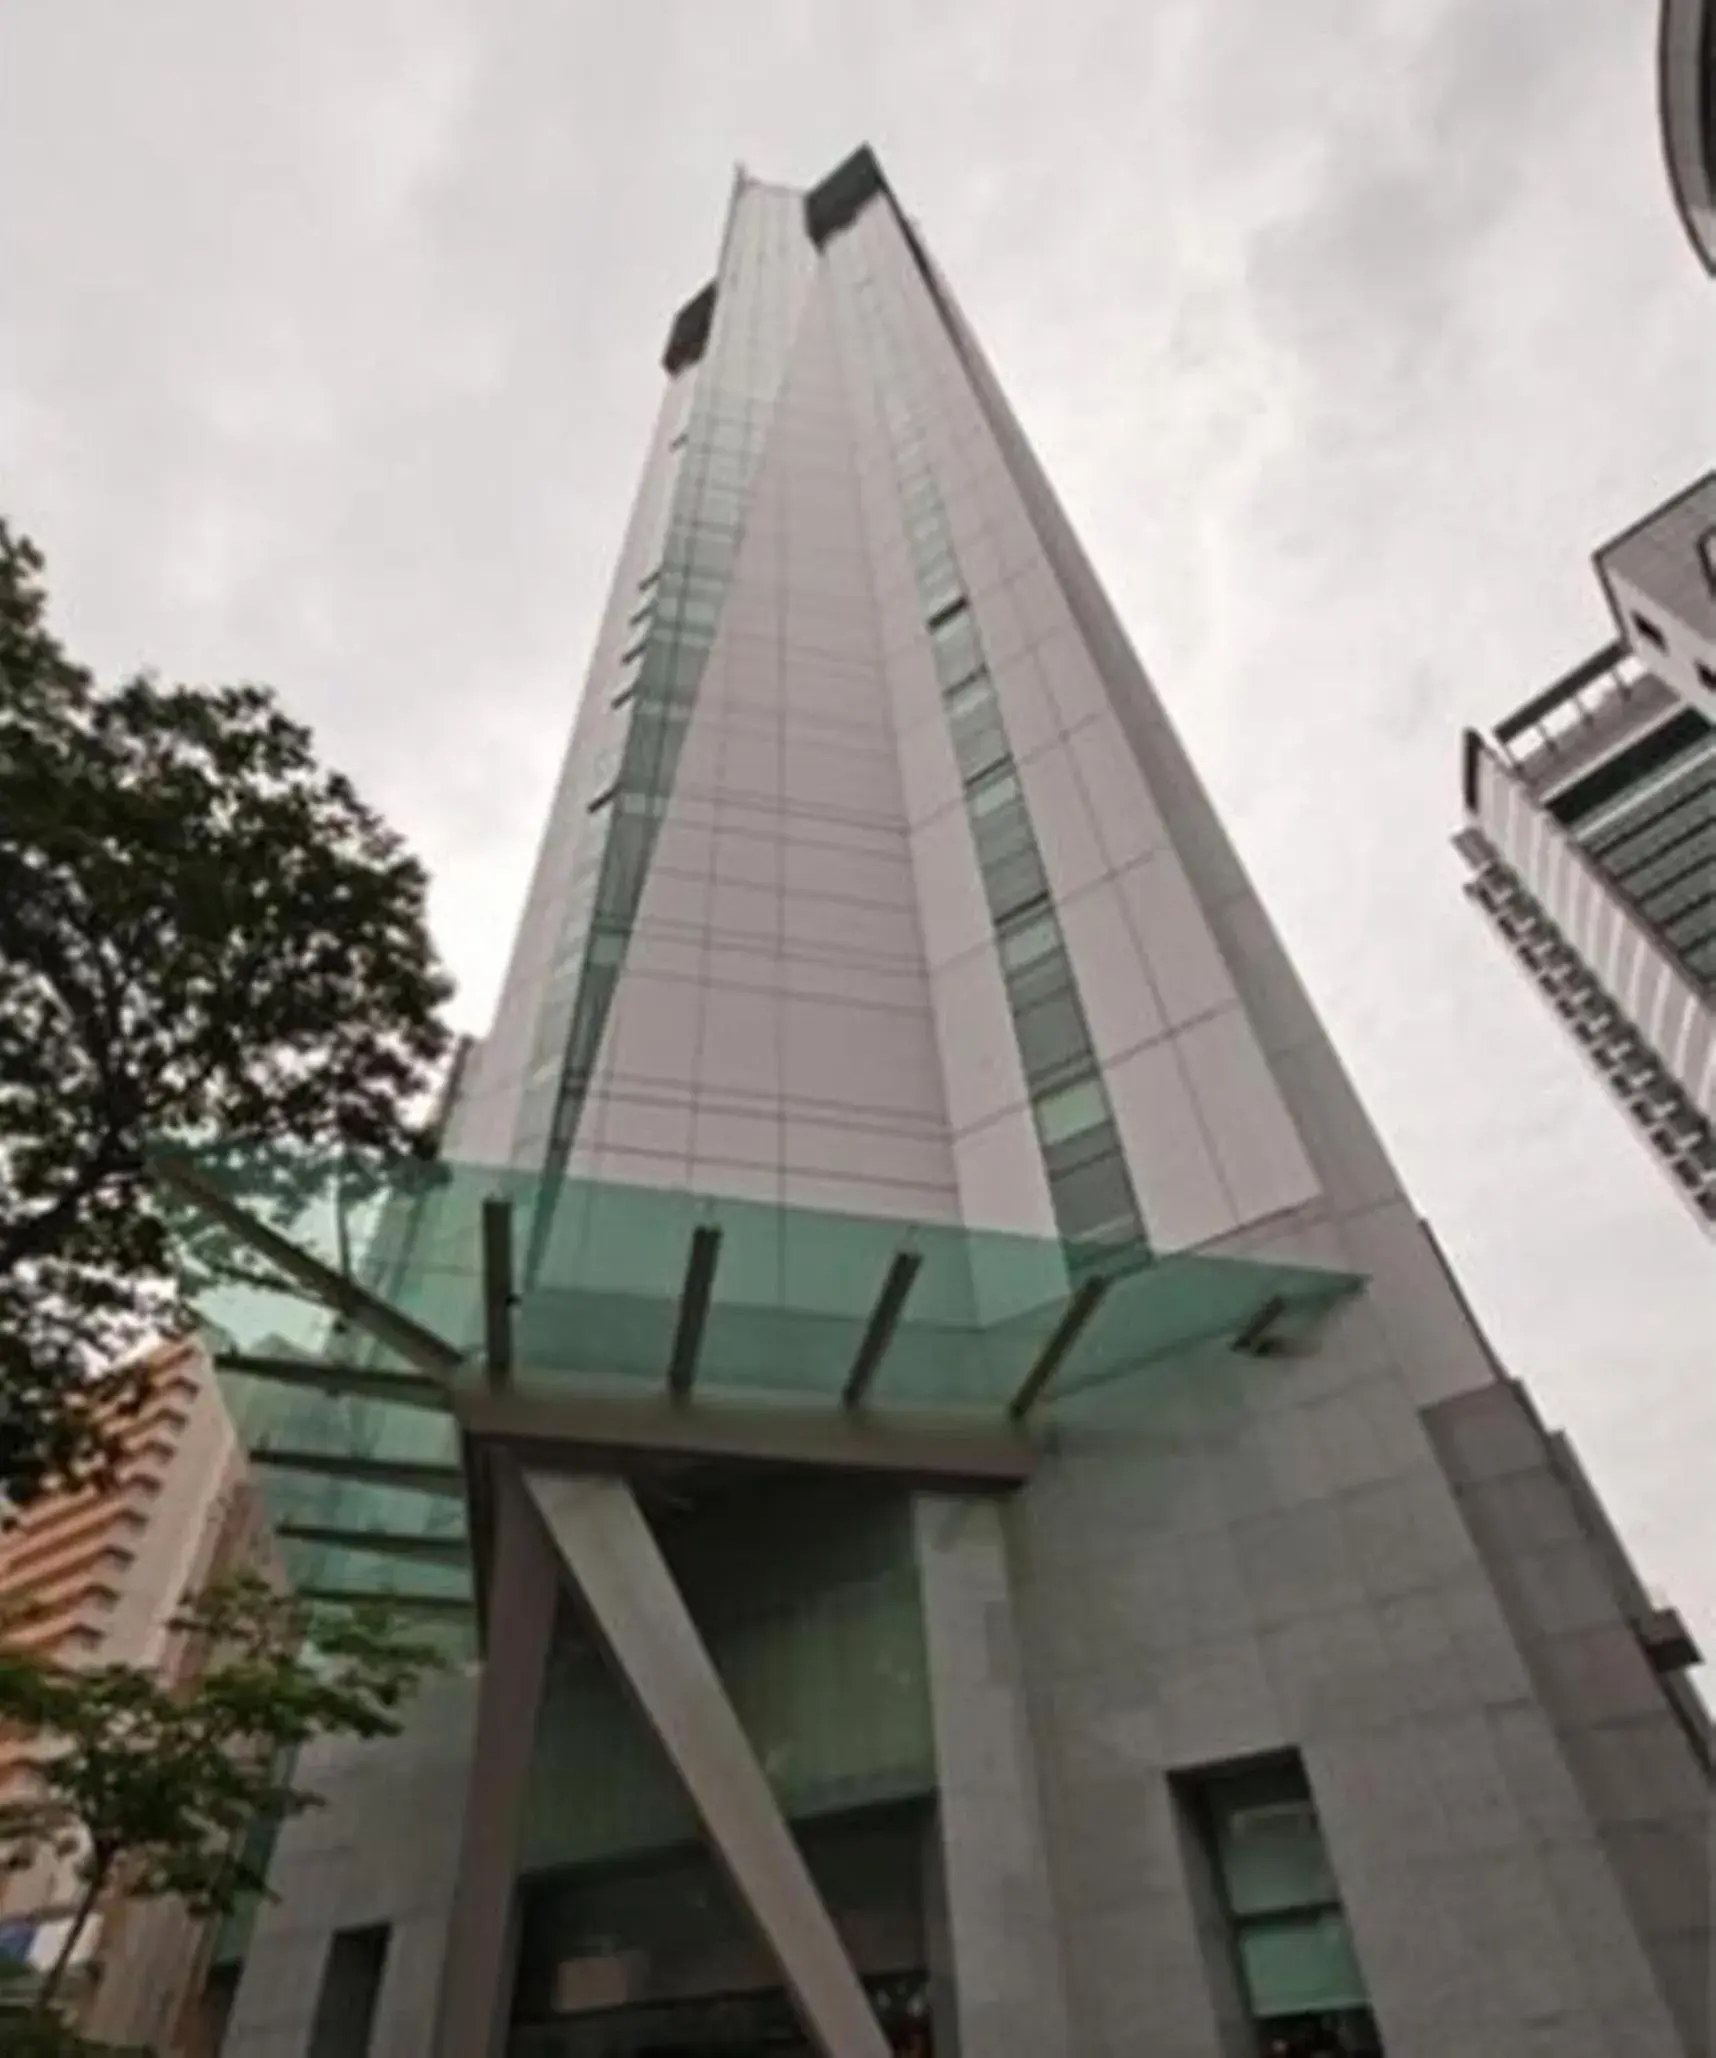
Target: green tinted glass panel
{"points": [[1001, 791], [1071, 1110], [1094, 1200], [599, 1292], [954, 641], [1013, 882], [1030, 940], [1295, 1965], [1052, 1037]]}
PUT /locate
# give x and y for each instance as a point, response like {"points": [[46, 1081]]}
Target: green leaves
{"points": [[204, 934], [157, 1784]]}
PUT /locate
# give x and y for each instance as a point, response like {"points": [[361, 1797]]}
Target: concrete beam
{"points": [[608, 1427]]}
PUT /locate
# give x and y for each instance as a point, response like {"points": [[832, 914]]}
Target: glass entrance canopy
{"points": [[365, 1318]]}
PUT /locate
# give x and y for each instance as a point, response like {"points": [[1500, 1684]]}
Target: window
{"points": [[974, 720], [1052, 1036], [1296, 1961], [1070, 1110], [351, 1987], [1023, 942], [1014, 881], [1094, 1202], [954, 641], [1650, 632], [994, 793], [938, 578]]}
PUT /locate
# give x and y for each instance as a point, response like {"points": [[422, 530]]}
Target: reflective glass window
{"points": [[1094, 1202], [1052, 1036], [995, 793], [1071, 1110], [1013, 882]]}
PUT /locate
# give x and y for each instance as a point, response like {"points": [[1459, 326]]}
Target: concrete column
{"points": [[1009, 1975], [524, 1584], [651, 1639]]}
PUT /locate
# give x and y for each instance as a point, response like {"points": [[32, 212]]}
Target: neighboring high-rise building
{"points": [[92, 1578], [1687, 89], [1591, 834], [987, 1523]]}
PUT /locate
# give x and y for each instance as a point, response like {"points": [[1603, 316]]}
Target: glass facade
{"points": [[765, 268], [1089, 1185]]}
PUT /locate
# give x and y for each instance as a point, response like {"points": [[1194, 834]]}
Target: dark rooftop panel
{"points": [[842, 196], [689, 337]]}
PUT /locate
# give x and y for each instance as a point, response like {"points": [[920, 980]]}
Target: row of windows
{"points": [[1088, 1180]]}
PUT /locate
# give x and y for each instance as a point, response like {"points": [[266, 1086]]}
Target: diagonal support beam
{"points": [[653, 1643], [364, 1310], [694, 1297], [879, 1330], [497, 1290], [1066, 1332]]}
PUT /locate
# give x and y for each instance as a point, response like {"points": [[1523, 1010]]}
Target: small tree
{"points": [[153, 1785], [205, 936]]}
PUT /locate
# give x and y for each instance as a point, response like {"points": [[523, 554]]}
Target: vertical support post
{"points": [[497, 1290], [523, 1587]]}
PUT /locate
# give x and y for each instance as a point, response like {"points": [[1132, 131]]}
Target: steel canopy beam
{"points": [[497, 1290], [1084, 1303], [694, 1297], [879, 1330], [364, 1310]]}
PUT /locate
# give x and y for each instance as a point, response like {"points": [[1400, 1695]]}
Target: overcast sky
{"points": [[328, 348]]}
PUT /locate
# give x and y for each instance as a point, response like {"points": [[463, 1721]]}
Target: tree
{"points": [[153, 1785], [204, 935]]}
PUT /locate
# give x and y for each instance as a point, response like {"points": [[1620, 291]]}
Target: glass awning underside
{"points": [[364, 1321]]}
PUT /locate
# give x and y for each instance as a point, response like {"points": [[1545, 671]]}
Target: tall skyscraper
{"points": [[990, 1526], [1591, 834]]}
